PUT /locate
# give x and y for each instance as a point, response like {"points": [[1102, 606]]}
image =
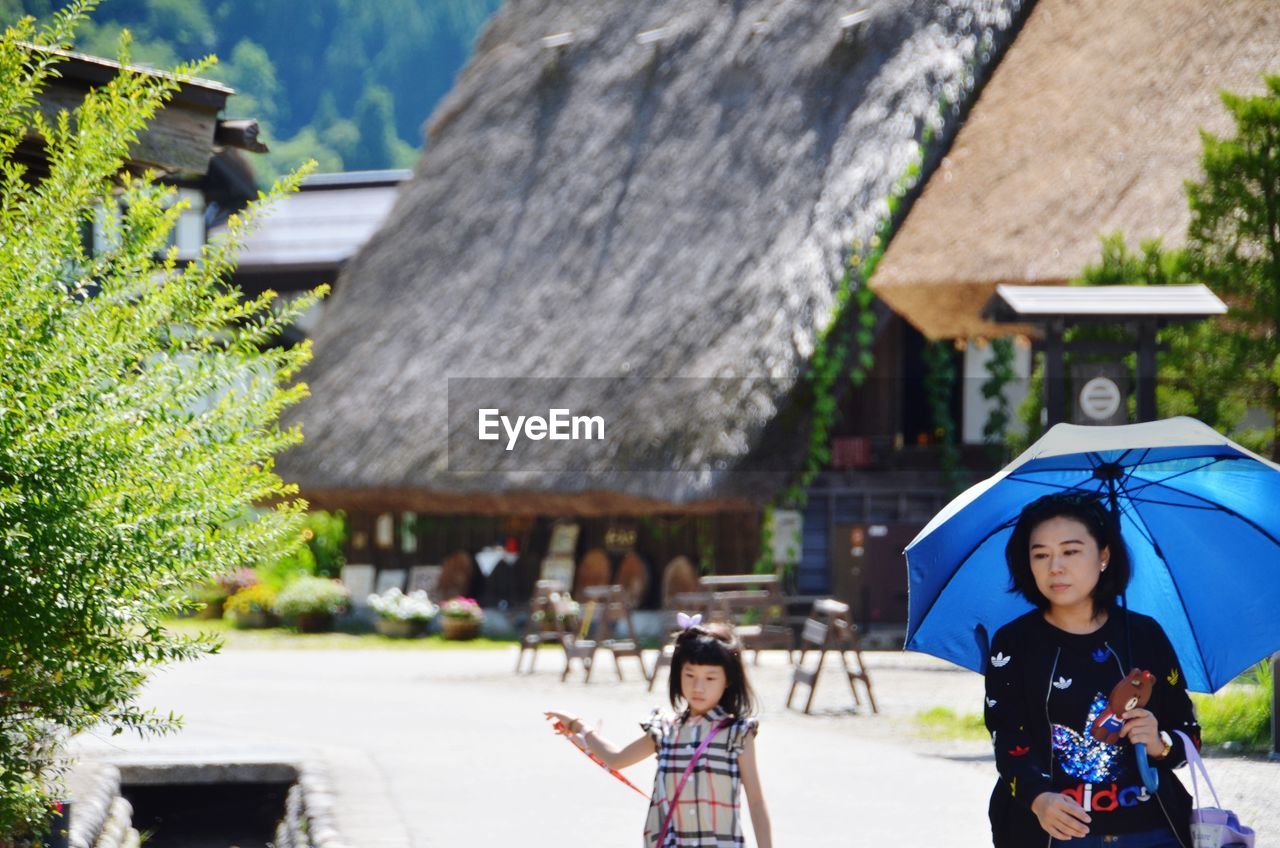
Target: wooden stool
{"points": [[829, 628], [550, 620]]}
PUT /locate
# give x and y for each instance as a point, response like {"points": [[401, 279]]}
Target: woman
{"points": [[1049, 675]]}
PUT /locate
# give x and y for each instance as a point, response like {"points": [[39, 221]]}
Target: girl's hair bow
{"points": [[687, 621]]}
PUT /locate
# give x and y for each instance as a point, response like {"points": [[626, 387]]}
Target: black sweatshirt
{"points": [[1044, 687]]}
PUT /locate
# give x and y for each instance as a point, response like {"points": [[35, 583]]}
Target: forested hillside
{"points": [[347, 82]]}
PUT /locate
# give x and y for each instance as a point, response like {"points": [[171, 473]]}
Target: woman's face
{"points": [[702, 686], [1066, 562]]}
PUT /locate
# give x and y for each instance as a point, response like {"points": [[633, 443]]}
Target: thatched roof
{"points": [[1089, 125], [681, 204]]}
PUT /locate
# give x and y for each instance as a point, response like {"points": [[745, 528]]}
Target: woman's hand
{"points": [[572, 724], [1140, 726], [1060, 816]]}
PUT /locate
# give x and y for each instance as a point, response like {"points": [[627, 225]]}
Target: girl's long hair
{"points": [[713, 644]]}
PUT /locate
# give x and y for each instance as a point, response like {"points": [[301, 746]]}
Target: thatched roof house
{"points": [[629, 191], [1088, 126]]}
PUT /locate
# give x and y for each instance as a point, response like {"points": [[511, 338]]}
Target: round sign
{"points": [[1100, 398]]}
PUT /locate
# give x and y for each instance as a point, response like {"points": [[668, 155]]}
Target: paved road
{"points": [[437, 748]]}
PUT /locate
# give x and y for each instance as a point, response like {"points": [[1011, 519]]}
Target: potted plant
{"points": [[310, 603], [401, 615], [211, 598], [251, 607], [460, 618], [214, 595]]}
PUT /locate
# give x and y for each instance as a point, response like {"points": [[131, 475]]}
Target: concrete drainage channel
{"points": [[202, 804]]}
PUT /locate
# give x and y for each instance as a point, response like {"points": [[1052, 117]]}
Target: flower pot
{"points": [[400, 628], [213, 609], [459, 628], [254, 620], [313, 622]]}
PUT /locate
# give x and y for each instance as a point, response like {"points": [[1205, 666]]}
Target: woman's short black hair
{"points": [[1087, 508], [713, 644]]}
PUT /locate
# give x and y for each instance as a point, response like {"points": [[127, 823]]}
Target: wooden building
{"points": [[189, 144], [662, 197]]}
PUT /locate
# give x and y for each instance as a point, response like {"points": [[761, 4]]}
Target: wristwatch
{"points": [[1168, 745]]}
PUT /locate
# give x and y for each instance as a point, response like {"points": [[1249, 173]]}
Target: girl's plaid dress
{"points": [[707, 813]]}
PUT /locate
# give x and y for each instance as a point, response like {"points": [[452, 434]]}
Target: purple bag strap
{"points": [[1195, 762], [684, 778]]}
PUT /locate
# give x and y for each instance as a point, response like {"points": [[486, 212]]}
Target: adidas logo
{"points": [[1000, 660], [1062, 683]]}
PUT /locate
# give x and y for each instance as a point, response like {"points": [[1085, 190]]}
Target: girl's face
{"points": [[702, 686], [1066, 561]]}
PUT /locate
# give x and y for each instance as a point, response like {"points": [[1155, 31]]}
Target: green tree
{"points": [[1215, 370], [139, 408], [1233, 242], [375, 121], [258, 94]]}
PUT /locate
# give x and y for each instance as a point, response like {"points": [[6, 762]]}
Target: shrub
{"points": [[241, 578], [321, 535], [141, 402], [311, 595], [256, 598], [1241, 713]]}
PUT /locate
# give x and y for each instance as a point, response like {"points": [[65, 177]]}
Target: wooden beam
{"points": [[178, 140]]}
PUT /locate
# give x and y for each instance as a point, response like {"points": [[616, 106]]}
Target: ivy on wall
{"points": [[854, 320], [1000, 375], [939, 383]]}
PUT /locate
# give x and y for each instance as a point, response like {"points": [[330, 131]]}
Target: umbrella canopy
{"points": [[1200, 516]]}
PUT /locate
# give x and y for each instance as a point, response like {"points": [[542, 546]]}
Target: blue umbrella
{"points": [[1201, 517]]}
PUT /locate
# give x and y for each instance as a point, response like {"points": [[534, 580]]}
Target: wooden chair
{"points": [[611, 628], [829, 628], [753, 603], [550, 620]]}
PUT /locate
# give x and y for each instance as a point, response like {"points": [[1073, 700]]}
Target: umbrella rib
{"points": [[1162, 480], [1140, 524], [1051, 485], [1222, 508], [1171, 503], [1129, 469], [1178, 591]]}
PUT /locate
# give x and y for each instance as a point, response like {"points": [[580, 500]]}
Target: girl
{"points": [[714, 728], [1048, 676]]}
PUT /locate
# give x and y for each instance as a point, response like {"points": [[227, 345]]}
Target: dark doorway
{"points": [[205, 815]]}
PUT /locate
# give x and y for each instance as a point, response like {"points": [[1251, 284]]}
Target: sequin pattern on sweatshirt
{"points": [[1082, 756]]}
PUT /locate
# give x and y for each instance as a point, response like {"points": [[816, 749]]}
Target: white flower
{"points": [[398, 606]]}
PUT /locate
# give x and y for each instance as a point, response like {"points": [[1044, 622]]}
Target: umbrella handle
{"points": [[1150, 777]]}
